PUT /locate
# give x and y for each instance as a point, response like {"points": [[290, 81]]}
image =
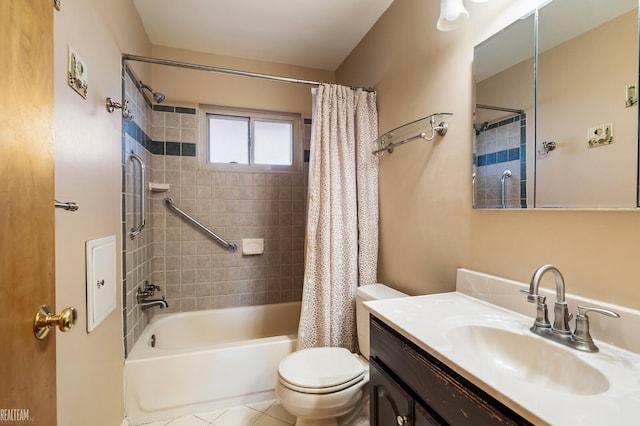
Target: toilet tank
{"points": [[365, 294]]}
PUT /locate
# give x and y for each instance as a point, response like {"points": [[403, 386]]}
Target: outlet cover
{"points": [[78, 73]]}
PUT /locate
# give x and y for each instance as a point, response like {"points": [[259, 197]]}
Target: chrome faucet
{"points": [[148, 290], [152, 303], [560, 309], [560, 331]]}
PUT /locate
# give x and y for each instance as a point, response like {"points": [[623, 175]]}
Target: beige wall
{"points": [[192, 87], [88, 171], [427, 225]]}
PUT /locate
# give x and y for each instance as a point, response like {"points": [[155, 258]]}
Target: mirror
{"points": [[578, 140]]}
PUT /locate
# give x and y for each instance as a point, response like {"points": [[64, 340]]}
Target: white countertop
{"points": [[562, 397]]}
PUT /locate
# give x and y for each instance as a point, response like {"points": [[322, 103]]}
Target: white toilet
{"points": [[328, 386]]}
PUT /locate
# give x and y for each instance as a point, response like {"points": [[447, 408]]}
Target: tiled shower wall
{"points": [[501, 146], [193, 271], [137, 252]]}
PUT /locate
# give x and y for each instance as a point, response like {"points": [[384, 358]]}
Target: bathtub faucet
{"points": [[152, 303], [145, 292]]}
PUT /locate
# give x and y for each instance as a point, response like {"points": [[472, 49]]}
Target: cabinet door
{"points": [[390, 405], [423, 418]]}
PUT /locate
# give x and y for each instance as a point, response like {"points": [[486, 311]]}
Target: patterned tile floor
{"points": [[268, 413]]}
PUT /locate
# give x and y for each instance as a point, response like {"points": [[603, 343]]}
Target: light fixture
{"points": [[453, 14]]}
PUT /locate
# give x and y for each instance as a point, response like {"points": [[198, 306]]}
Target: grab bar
{"points": [[138, 229], [70, 205], [506, 174], [232, 247]]}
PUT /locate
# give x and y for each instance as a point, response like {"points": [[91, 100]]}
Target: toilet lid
{"points": [[320, 370]]}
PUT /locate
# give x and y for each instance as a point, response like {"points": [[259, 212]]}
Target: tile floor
{"points": [[268, 413]]}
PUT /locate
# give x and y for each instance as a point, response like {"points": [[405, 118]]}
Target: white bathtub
{"points": [[206, 360]]}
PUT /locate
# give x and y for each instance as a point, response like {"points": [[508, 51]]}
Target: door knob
{"points": [[45, 319]]}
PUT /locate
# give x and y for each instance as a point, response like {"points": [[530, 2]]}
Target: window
{"points": [[236, 139]]}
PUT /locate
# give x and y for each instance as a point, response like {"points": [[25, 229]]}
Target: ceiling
{"points": [[558, 22], [311, 33]]}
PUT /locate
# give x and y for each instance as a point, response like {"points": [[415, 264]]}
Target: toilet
{"points": [[328, 386]]}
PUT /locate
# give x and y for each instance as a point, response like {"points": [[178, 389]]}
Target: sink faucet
{"points": [[560, 331], [560, 309]]}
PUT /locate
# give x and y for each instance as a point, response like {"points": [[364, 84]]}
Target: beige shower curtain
{"points": [[342, 218]]}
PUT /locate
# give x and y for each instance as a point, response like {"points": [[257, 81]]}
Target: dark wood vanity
{"points": [[411, 387]]}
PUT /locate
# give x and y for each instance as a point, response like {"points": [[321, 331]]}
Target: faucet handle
{"points": [[582, 336], [534, 298], [542, 313], [582, 310], [151, 288]]}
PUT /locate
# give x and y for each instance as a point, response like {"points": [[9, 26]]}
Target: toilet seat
{"points": [[320, 370]]}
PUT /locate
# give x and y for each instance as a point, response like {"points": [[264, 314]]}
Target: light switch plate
{"points": [[600, 135], [101, 280], [78, 73], [631, 95]]}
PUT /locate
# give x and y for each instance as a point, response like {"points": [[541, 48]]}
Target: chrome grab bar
{"points": [[70, 205], [503, 190], [138, 229], [232, 247]]}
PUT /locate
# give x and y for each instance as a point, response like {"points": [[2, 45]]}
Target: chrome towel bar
{"points": [[138, 229], [232, 247]]}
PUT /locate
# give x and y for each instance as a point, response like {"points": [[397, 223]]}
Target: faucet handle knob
{"points": [[534, 298], [582, 335], [582, 311]]}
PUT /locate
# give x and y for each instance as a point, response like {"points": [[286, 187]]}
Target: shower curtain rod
{"points": [[129, 57], [495, 108]]}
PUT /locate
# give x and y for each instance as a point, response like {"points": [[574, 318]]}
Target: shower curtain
{"points": [[342, 217]]}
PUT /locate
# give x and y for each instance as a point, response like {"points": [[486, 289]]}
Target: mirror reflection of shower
{"points": [[499, 136], [157, 96], [503, 190]]}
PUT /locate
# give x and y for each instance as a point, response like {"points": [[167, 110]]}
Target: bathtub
{"points": [[206, 360]]}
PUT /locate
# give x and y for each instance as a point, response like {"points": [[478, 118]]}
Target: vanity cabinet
{"points": [[409, 387]]}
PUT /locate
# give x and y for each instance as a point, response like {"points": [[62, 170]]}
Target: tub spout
{"points": [[151, 303]]}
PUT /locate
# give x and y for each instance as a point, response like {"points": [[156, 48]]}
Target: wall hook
{"points": [[112, 106]]}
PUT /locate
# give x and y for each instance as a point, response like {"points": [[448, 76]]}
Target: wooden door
{"points": [[27, 365]]}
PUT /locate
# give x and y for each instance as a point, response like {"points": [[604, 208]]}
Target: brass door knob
{"points": [[45, 319]]}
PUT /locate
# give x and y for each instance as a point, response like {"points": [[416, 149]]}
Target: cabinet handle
{"points": [[400, 418]]}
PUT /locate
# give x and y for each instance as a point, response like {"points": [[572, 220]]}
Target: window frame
{"points": [[252, 115]]}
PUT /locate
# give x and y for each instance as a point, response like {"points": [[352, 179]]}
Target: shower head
{"points": [[157, 96]]}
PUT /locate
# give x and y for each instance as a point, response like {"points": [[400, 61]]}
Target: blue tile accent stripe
{"points": [[132, 129], [169, 108]]}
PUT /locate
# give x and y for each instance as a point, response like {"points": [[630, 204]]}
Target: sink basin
{"points": [[493, 348], [528, 358]]}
